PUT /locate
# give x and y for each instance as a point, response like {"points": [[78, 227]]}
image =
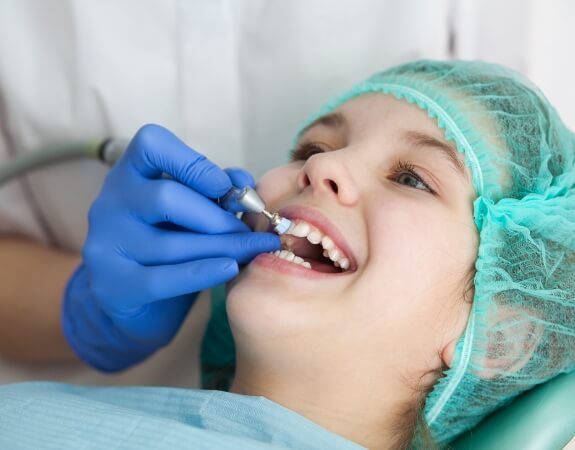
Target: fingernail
{"points": [[230, 266], [221, 178]]}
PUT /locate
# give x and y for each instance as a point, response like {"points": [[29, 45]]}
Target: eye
{"points": [[404, 173], [304, 151], [410, 180]]}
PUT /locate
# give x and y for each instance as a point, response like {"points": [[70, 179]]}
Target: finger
{"points": [[155, 322], [240, 177], [172, 247], [170, 201], [162, 282], [155, 150]]}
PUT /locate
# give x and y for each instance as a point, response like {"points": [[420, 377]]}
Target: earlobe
{"points": [[448, 352]]}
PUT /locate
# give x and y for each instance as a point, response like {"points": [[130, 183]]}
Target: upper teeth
{"points": [[313, 235]]}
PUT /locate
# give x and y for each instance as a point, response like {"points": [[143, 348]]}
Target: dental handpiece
{"points": [[250, 200]]}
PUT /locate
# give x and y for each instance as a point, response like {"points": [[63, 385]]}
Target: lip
{"points": [[325, 226]]}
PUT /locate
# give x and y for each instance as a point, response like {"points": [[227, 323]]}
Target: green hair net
{"points": [[521, 329]]}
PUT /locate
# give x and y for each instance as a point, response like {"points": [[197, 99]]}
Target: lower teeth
{"points": [[289, 256]]}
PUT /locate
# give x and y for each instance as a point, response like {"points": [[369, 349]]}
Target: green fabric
{"points": [[541, 419], [521, 330], [218, 353]]}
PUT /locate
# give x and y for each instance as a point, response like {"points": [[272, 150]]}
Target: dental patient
{"points": [[428, 278]]}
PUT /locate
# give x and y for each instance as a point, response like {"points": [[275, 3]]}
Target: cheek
{"points": [[400, 243], [277, 184], [421, 239], [418, 256]]}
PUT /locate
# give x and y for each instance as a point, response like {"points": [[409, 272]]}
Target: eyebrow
{"points": [[419, 140], [412, 137], [333, 120]]}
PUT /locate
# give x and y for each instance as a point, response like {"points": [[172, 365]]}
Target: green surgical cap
{"points": [[521, 329]]}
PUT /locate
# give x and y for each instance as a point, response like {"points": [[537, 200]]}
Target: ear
{"points": [[513, 336]]}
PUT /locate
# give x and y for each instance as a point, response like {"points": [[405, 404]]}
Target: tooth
{"points": [[327, 243], [283, 254], [290, 228], [314, 237], [344, 263], [326, 253], [336, 263], [277, 253], [298, 260], [301, 229], [306, 264], [290, 256], [286, 241], [334, 254]]}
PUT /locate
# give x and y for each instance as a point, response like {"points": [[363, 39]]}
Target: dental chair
{"points": [[541, 419]]}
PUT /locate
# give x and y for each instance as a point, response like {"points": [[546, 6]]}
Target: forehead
{"points": [[377, 116], [377, 111]]}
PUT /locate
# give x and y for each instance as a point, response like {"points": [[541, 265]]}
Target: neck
{"points": [[348, 401]]}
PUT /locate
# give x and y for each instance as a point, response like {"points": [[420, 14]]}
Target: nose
{"points": [[327, 175]]}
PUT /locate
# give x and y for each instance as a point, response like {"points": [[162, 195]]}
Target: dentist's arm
{"points": [[32, 279], [152, 245]]}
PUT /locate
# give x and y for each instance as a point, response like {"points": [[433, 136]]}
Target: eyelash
{"points": [[306, 150], [302, 151]]}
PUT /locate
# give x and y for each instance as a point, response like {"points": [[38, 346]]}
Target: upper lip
{"points": [[324, 225]]}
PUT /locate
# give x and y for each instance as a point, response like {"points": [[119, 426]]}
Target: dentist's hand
{"points": [[152, 245]]}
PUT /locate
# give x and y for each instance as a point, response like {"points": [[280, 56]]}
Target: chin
{"points": [[252, 305], [261, 307]]}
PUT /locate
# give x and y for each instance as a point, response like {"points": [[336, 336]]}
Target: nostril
{"points": [[333, 185]]}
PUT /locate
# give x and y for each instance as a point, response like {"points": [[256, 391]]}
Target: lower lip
{"points": [[286, 267]]}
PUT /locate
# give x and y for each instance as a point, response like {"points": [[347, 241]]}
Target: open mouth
{"points": [[306, 245]]}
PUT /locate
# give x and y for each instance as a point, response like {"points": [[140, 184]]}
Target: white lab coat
{"points": [[232, 78]]}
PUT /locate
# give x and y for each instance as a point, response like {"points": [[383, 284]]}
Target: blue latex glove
{"points": [[153, 243]]}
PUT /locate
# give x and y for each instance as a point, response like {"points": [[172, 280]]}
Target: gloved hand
{"points": [[153, 243]]}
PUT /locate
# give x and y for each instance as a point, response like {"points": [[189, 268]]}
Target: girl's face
{"points": [[379, 179]]}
